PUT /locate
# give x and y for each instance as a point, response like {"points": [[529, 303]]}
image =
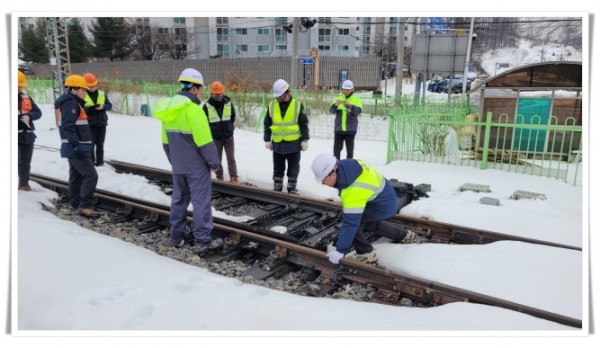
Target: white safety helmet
{"points": [[279, 87], [323, 165], [347, 85], [192, 76]]}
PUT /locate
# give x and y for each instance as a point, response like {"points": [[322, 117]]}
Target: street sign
{"points": [[307, 60]]}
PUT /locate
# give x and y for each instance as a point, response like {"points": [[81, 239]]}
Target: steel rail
{"points": [[390, 287]]}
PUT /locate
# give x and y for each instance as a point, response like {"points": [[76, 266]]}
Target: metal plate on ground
{"points": [[474, 187]]}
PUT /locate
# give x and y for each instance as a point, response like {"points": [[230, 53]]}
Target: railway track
{"points": [[285, 205], [271, 255]]}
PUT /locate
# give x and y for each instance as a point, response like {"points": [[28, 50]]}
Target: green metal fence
{"points": [[529, 145]]}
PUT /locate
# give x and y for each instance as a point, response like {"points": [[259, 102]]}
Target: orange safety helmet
{"points": [[90, 79], [75, 81], [22, 80], [217, 88]]}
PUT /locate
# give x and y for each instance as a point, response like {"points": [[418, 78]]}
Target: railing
{"points": [[453, 137]]}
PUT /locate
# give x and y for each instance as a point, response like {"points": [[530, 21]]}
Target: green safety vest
{"points": [[101, 99], [364, 189], [286, 127], [213, 115], [354, 100], [181, 115]]}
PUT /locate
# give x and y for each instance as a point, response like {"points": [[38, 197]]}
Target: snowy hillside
{"points": [[494, 62]]}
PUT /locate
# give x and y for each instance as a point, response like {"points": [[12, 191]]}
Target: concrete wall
{"points": [[363, 71]]}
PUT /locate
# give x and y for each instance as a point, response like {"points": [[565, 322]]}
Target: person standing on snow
{"points": [[28, 112], [190, 149], [221, 116], [96, 106], [346, 108], [286, 134], [76, 146], [367, 198]]}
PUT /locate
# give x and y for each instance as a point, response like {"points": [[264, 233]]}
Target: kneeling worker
{"points": [[367, 198]]}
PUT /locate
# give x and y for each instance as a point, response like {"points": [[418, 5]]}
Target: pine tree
{"points": [[112, 38], [32, 46], [80, 48]]}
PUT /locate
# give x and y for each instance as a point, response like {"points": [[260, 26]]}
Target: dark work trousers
{"points": [[25, 155], [82, 182], [338, 144], [293, 164], [98, 136], [380, 227], [229, 146], [197, 189]]}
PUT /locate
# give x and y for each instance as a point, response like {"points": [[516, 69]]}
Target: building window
{"points": [[222, 34], [264, 48], [162, 30], [343, 32], [179, 20], [393, 30], [324, 34], [180, 33], [366, 19], [366, 40], [280, 20], [241, 31], [324, 48], [241, 48], [223, 50], [341, 48], [280, 47], [364, 50], [280, 35], [263, 31], [367, 30], [394, 19], [326, 20], [223, 20]]}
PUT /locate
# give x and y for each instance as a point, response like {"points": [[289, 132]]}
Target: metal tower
{"points": [[58, 45]]}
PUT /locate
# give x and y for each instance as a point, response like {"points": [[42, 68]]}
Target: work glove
{"points": [[269, 145], [335, 257], [304, 145]]}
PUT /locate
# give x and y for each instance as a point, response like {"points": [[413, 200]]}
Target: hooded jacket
{"points": [[186, 136]]}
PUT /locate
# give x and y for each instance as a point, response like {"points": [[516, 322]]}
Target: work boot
{"points": [[291, 186], [173, 243], [370, 257], [234, 180], [88, 213], [25, 188], [277, 183], [200, 247], [220, 177]]}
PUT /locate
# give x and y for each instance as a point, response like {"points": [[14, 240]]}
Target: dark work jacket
{"points": [[98, 117], [285, 147], [75, 133], [223, 129], [384, 206], [26, 132]]}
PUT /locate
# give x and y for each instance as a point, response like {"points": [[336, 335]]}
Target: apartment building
{"points": [[255, 37]]}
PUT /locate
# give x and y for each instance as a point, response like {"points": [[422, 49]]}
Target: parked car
{"points": [[436, 86], [456, 86]]}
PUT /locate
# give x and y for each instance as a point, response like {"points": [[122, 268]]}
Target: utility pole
{"points": [[468, 60], [58, 45], [295, 29], [400, 60]]}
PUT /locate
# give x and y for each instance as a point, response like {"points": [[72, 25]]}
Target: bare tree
{"points": [[144, 42], [173, 44]]}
